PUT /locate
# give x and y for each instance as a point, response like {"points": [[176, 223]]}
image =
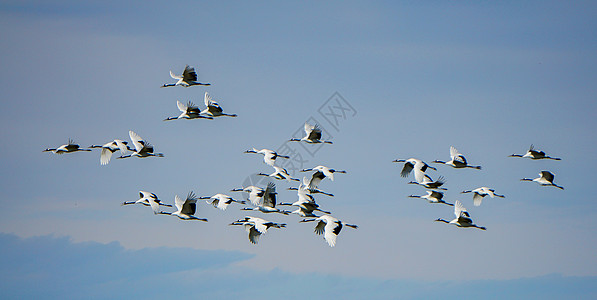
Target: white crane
{"points": [[280, 174], [433, 197], [187, 79], [320, 173], [545, 178], [269, 156], [145, 198], [66, 148], [188, 111], [255, 194], [213, 109], [111, 147], [268, 204], [427, 182], [312, 135], [306, 203], [535, 154], [463, 219], [480, 193], [306, 190], [457, 161], [329, 226], [413, 163], [305, 208], [142, 147], [221, 201], [255, 227], [185, 209]]}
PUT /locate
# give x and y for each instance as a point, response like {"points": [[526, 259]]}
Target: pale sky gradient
{"points": [[487, 78]]}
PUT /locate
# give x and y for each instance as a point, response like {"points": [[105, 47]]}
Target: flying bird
{"points": [[480, 193], [457, 160], [142, 147], [463, 219], [427, 182], [312, 135], [329, 226], [269, 156], [221, 201], [320, 173], [306, 203], [187, 79], [268, 205], [545, 178], [188, 111], [66, 148], [413, 163], [111, 147], [255, 194], [185, 209], [535, 154], [280, 174], [145, 198], [255, 227], [213, 109], [433, 197]]}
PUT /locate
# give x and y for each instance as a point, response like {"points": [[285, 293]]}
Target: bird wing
{"points": [[332, 229], [137, 140], [316, 179], [190, 204], [326, 171], [254, 234], [319, 228], [461, 214], [458, 208], [207, 99], [269, 157], [308, 128], [155, 206], [269, 197], [179, 203], [547, 175], [175, 76], [315, 133], [436, 195], [477, 198], [259, 224], [256, 195], [189, 74], [121, 146], [453, 152], [182, 107], [105, 156], [408, 167]]}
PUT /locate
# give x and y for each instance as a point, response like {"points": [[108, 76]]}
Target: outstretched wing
{"points": [[182, 107], [175, 76], [254, 234], [105, 156], [315, 133], [137, 140], [461, 213], [477, 199], [547, 175], [121, 146], [269, 197], [408, 167], [189, 74]]}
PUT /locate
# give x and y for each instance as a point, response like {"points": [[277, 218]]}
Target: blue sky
{"points": [[487, 78]]}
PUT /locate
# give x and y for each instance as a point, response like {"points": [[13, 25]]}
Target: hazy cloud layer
{"points": [[56, 268]]}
